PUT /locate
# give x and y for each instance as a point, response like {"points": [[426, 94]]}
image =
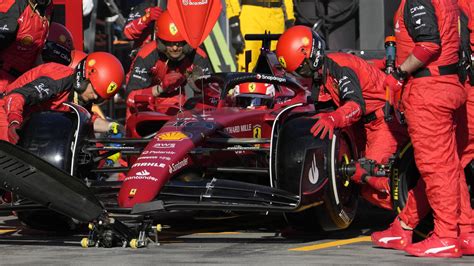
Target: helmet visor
{"points": [[305, 69], [170, 44]]}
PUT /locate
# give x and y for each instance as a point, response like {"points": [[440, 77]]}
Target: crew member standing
{"points": [[427, 58], [256, 16]]}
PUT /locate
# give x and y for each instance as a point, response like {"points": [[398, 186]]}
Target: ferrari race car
{"points": [[230, 158], [217, 155]]}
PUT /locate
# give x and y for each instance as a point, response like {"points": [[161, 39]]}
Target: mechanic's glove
{"points": [[116, 129], [360, 174], [346, 115], [237, 40], [151, 14], [289, 23], [12, 132], [172, 80], [393, 83], [326, 124], [14, 122]]}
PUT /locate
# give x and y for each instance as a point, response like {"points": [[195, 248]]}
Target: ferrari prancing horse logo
{"points": [[173, 29], [112, 87], [282, 61], [252, 87]]}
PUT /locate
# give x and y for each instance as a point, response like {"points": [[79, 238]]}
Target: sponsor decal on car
{"points": [[238, 129], [172, 136], [176, 166], [147, 158], [164, 145], [257, 133], [161, 165], [270, 78], [141, 175], [144, 172], [158, 152]]}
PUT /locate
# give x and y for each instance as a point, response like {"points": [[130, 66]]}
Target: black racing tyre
{"points": [[341, 197], [404, 177], [49, 135], [340, 201]]}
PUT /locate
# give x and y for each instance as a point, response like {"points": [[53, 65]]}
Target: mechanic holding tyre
{"points": [[427, 58], [161, 68], [357, 89], [256, 17], [98, 77]]}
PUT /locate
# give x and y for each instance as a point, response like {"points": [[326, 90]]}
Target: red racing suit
{"points": [[430, 98], [23, 33], [152, 67], [45, 87], [350, 78], [136, 30], [467, 53]]}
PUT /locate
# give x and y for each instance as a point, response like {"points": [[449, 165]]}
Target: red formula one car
{"points": [[219, 154], [244, 159]]}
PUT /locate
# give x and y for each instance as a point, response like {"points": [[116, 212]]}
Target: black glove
{"points": [[289, 23], [237, 40]]}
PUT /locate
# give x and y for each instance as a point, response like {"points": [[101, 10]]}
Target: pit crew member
{"points": [[427, 58], [161, 68], [24, 26], [357, 90], [46, 87]]}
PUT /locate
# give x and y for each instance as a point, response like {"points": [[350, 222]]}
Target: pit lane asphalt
{"points": [[254, 240]]}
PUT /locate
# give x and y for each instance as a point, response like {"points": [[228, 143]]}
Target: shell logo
{"points": [[91, 63], [172, 135], [112, 87], [62, 38], [305, 41], [252, 87], [27, 40], [173, 29], [282, 61]]}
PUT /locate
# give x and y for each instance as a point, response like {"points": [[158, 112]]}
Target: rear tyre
{"points": [[404, 177]]}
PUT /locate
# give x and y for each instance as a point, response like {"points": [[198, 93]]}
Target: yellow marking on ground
{"points": [[218, 233], [333, 244], [5, 231]]}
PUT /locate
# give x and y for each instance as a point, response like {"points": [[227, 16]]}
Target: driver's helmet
{"points": [[254, 94]]}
